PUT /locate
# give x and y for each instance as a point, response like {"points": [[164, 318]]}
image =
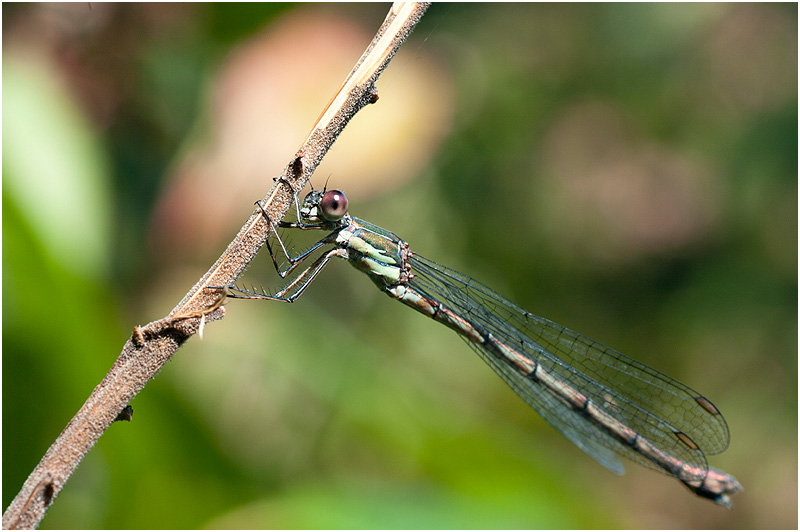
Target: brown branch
{"points": [[151, 346]]}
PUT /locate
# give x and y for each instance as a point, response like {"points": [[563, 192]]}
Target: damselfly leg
{"points": [[309, 217], [298, 224]]}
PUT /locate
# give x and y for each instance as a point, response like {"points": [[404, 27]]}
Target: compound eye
{"points": [[333, 205]]}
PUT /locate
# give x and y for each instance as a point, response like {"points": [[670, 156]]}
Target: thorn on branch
{"points": [[373, 95], [125, 415], [138, 336], [296, 167]]}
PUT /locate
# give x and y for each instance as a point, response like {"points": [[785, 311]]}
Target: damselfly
{"points": [[604, 402]]}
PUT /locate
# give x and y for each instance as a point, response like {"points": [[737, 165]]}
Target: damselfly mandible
{"points": [[603, 401]]}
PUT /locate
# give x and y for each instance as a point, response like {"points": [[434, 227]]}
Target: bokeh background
{"points": [[627, 170]]}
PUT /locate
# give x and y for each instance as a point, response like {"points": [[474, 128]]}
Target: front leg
{"points": [[293, 261], [296, 287]]}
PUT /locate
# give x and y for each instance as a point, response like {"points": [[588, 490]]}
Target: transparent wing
{"points": [[655, 406]]}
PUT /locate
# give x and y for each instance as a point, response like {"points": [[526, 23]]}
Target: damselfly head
{"points": [[321, 205]]}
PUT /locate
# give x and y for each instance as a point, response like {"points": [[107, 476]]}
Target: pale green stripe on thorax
{"points": [[373, 250]]}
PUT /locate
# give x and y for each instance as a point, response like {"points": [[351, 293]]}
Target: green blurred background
{"points": [[627, 170]]}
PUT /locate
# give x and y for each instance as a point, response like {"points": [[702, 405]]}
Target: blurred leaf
{"points": [[53, 168]]}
